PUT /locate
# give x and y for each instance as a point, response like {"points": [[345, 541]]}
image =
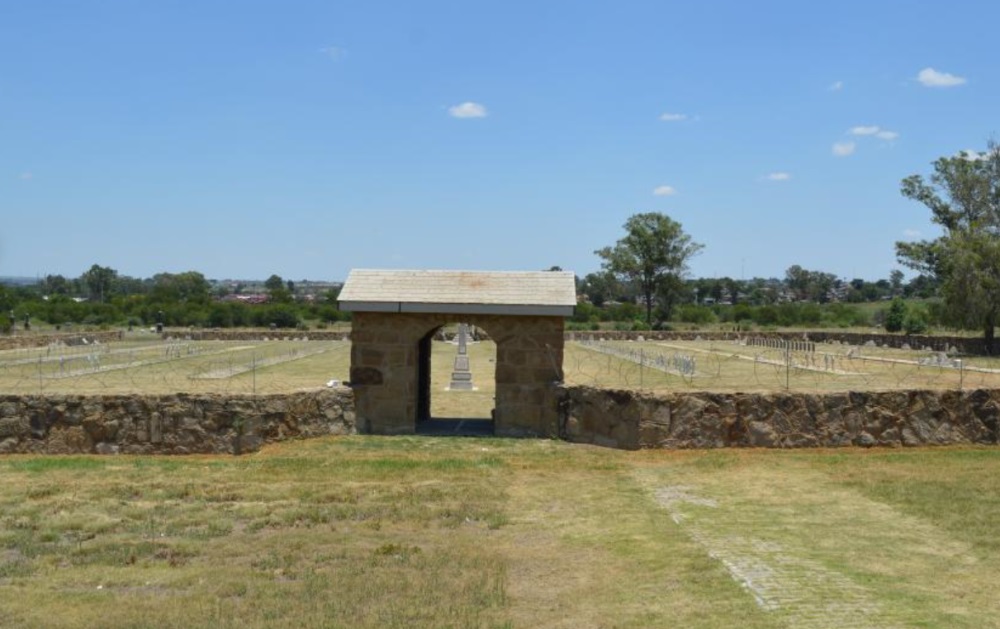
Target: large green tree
{"points": [[963, 195], [99, 280], [653, 256]]}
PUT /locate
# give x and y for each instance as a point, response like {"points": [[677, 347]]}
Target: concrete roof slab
{"points": [[548, 293]]}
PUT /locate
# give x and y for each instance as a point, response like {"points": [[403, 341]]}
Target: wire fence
{"points": [[145, 363], [149, 364], [770, 364]]}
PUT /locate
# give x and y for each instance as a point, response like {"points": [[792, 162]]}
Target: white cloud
{"points": [[843, 149], [929, 77], [872, 130], [911, 233], [664, 191], [836, 86], [888, 136], [669, 117], [467, 110], [25, 176], [779, 177], [333, 52]]}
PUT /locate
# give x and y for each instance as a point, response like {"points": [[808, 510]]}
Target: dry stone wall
{"points": [[964, 344], [633, 420], [169, 424], [221, 424], [250, 334], [26, 340]]}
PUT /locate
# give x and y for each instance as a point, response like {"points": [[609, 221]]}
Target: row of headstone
{"points": [[940, 359], [783, 344], [683, 364]]}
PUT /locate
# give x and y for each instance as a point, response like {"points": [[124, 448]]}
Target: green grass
{"points": [[420, 532]]}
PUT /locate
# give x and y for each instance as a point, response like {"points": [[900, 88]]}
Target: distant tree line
{"points": [[801, 298], [103, 297]]}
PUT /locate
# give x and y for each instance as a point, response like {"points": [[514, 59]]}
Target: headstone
{"points": [[461, 376]]}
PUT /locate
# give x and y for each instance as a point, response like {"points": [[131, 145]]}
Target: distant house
{"points": [[252, 298]]}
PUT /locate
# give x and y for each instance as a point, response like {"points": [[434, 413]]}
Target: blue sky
{"points": [[307, 138]]}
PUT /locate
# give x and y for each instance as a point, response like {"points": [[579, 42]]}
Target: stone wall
{"points": [[27, 339], [632, 420], [219, 424], [169, 424], [252, 334], [386, 363], [964, 344]]}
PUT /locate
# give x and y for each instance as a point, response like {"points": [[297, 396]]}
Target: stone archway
{"points": [[387, 351], [393, 312]]}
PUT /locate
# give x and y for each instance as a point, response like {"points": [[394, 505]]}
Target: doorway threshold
{"points": [[457, 427]]}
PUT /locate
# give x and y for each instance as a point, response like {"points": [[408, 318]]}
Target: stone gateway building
{"points": [[395, 314]]}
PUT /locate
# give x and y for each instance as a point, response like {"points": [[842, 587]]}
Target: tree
{"points": [[278, 291], [188, 287], [797, 280], [653, 255], [56, 285], [896, 280], [274, 283], [99, 280], [600, 287], [963, 195]]}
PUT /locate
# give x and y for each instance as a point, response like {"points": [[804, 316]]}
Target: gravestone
{"points": [[461, 375]]}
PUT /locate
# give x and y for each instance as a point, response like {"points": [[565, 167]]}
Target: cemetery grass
{"points": [[247, 368], [423, 532], [725, 366]]}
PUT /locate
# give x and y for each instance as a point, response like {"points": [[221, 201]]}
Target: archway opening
{"points": [[456, 381]]}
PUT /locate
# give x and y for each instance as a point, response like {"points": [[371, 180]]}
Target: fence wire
{"points": [[767, 364], [149, 364], [146, 363]]}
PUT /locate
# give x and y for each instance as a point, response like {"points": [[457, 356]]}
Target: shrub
{"points": [[690, 313], [895, 316], [915, 321]]}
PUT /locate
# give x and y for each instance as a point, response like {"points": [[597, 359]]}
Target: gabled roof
{"points": [[549, 293]]}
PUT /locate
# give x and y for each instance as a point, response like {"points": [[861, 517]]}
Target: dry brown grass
{"points": [[421, 532], [724, 366], [153, 366]]}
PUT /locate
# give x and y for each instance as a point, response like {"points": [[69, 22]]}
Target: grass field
{"points": [[425, 532], [727, 366], [149, 365]]}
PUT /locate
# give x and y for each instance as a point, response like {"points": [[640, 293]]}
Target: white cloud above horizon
{"points": [[664, 191], [670, 117], [779, 176], [886, 135], [467, 109], [25, 176], [836, 86], [912, 233], [929, 77], [843, 149], [864, 130]]}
